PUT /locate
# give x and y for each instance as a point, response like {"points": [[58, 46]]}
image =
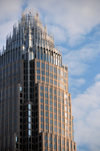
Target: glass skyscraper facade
{"points": [[35, 105]]}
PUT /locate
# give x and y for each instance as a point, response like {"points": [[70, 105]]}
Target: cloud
{"points": [[78, 60], [76, 82], [10, 12], [86, 111], [75, 17], [97, 78]]}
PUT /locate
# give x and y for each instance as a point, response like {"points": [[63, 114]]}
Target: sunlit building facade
{"points": [[35, 105]]}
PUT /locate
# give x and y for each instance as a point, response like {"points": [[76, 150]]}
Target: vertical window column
{"points": [[29, 119]]}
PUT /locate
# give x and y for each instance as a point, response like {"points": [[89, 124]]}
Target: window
{"points": [[55, 82], [20, 88], [46, 89], [51, 109], [69, 122], [55, 140], [50, 102], [47, 73], [55, 70], [65, 102], [41, 88], [58, 71], [29, 119], [51, 75], [46, 101], [51, 128], [46, 145], [42, 72], [59, 118], [61, 79], [46, 114], [29, 132], [58, 111], [59, 147], [63, 132], [66, 127], [65, 120], [50, 145], [55, 123], [55, 116], [65, 74], [65, 108], [41, 94], [42, 65], [51, 68], [42, 107], [50, 96], [42, 113], [58, 105], [41, 100], [46, 95], [62, 113], [63, 126], [51, 115], [51, 121], [59, 131], [55, 98], [46, 120], [29, 106], [42, 126], [47, 79], [29, 113], [38, 64], [16, 139], [29, 126], [46, 107], [61, 73], [46, 127], [47, 67], [58, 93], [38, 77], [55, 129], [43, 78], [55, 146], [50, 90], [65, 114], [50, 139], [46, 138], [38, 71], [51, 81], [55, 104], [55, 110], [62, 119], [58, 84], [55, 77], [69, 110], [54, 91], [42, 119]]}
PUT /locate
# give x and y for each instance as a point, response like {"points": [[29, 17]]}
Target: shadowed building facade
{"points": [[35, 105]]}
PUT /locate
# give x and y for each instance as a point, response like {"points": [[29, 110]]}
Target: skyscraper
{"points": [[35, 105]]}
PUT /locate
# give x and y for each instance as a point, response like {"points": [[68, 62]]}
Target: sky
{"points": [[75, 25]]}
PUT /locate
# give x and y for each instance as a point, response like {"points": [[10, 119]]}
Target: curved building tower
{"points": [[35, 105]]}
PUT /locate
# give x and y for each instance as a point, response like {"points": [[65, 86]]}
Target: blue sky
{"points": [[75, 25]]}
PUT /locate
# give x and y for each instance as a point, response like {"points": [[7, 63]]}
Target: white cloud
{"points": [[78, 60], [76, 17], [76, 82], [97, 78], [10, 12], [86, 111]]}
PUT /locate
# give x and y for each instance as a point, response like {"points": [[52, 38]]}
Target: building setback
{"points": [[35, 105]]}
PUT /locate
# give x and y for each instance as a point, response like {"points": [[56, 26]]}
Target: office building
{"points": [[35, 105]]}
